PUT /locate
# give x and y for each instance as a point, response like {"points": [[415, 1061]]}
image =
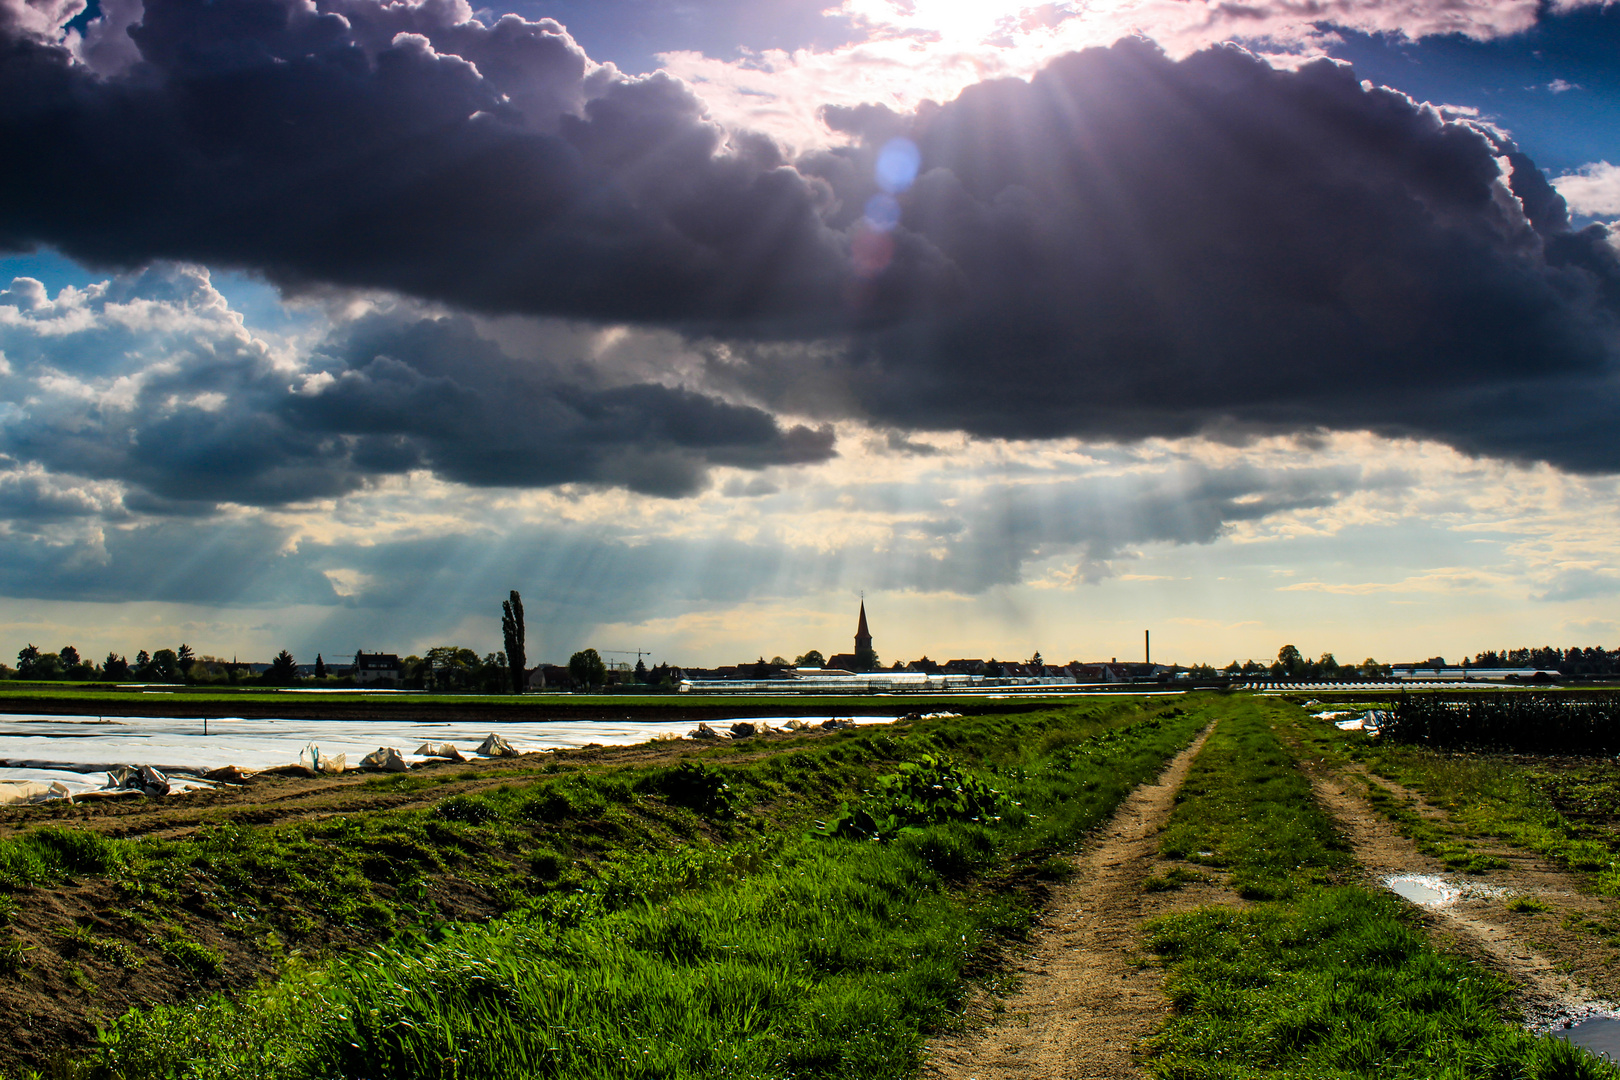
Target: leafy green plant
{"points": [[931, 790]]}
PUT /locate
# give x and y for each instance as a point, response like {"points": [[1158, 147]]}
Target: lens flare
{"points": [[897, 165], [882, 212], [870, 252]]}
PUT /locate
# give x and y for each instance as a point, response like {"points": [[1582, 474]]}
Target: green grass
{"points": [[759, 944], [50, 855], [1338, 984], [1246, 807], [1331, 980], [1561, 810]]}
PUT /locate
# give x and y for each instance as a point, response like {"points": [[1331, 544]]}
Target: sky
{"points": [[324, 323]]}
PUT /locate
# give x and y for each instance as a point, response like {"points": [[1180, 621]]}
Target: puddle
{"points": [[1599, 1034], [1428, 891]]}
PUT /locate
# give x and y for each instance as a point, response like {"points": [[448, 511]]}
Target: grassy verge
{"points": [[809, 913], [1331, 980], [1564, 809]]}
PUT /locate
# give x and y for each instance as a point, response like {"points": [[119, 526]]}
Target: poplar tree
{"points": [[512, 631]]}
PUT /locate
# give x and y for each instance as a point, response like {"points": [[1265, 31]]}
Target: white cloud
{"points": [[1593, 189], [932, 49]]}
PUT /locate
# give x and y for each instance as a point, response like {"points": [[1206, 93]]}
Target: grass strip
{"points": [[1247, 808], [1561, 809], [758, 948], [1331, 980]]}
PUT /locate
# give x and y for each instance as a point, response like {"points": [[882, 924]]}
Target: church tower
{"points": [[865, 657]]}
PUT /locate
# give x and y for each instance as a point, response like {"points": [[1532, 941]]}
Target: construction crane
{"points": [[637, 653]]}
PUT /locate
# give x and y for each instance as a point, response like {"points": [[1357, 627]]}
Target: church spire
{"points": [[865, 658]]}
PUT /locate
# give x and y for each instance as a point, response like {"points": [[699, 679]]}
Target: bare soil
{"points": [[1561, 970], [1086, 995]]}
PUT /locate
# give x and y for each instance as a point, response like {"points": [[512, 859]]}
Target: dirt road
{"points": [[1087, 995], [1560, 970]]}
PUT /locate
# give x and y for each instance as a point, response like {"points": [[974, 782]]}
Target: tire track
{"points": [[1087, 998]]}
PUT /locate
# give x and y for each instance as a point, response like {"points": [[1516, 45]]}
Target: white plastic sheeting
{"points": [[78, 751]]}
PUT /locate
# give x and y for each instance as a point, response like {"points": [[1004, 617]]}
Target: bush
{"points": [[694, 786], [1528, 723]]}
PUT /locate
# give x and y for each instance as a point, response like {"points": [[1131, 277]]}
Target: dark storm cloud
{"points": [[388, 145], [431, 393], [209, 415], [1144, 247], [1125, 246]]}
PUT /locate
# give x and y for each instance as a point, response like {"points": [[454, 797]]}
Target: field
{"points": [[93, 699], [878, 902]]}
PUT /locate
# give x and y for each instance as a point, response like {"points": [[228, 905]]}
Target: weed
{"points": [[13, 957], [468, 809], [1528, 905], [74, 940], [1174, 878], [189, 956], [695, 786]]}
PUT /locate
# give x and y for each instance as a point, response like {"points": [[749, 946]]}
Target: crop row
{"points": [[1525, 723]]}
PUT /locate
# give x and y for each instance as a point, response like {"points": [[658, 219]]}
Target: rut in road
{"points": [[1086, 998], [1561, 973]]}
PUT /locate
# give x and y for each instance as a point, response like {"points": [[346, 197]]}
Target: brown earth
{"points": [[1087, 996], [1561, 971]]}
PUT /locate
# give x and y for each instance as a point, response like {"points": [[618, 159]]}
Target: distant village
{"points": [[455, 669]]}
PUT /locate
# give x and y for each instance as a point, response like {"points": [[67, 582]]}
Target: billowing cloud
{"points": [[1126, 245], [152, 381], [919, 50], [406, 147]]}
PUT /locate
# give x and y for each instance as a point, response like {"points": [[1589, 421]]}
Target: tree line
{"points": [[1293, 664]]}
